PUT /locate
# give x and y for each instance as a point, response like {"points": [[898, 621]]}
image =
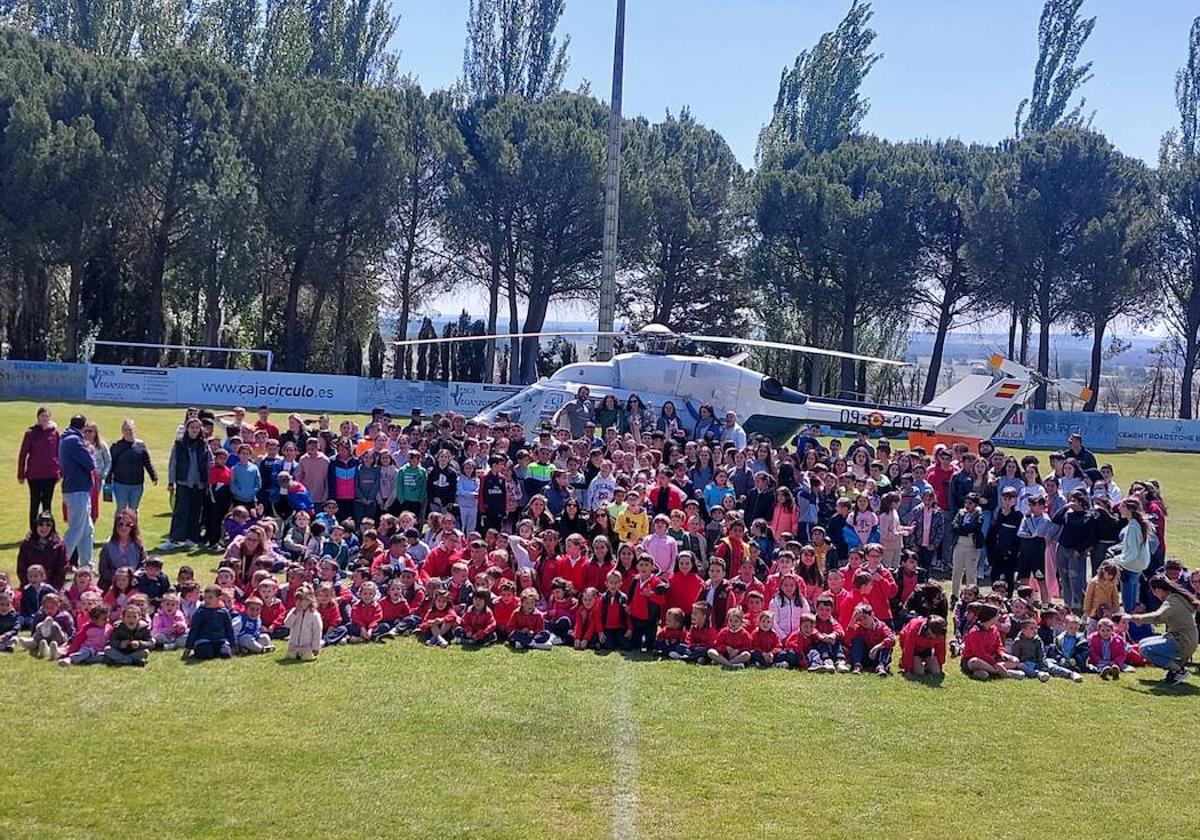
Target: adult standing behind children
{"points": [[77, 466], [130, 466], [37, 464]]}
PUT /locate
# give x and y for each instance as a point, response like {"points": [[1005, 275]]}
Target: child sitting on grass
{"points": [[252, 637], [870, 642], [983, 655], [478, 624], [87, 648], [10, 622], [527, 626], [211, 633], [1030, 652], [129, 642], [733, 644], [169, 628], [672, 636], [923, 646], [54, 629], [767, 645], [1106, 651]]}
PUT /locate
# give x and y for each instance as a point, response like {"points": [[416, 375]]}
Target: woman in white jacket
{"points": [[1133, 552], [788, 607]]}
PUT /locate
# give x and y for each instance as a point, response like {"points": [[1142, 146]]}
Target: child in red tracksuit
{"points": [[615, 629], [801, 647], [504, 606], [366, 615], [330, 610], [397, 615], [560, 611], [870, 641], [983, 655], [734, 644], [765, 644], [527, 626], [701, 635], [647, 592], [273, 610], [672, 636], [831, 637], [478, 625], [439, 621], [923, 646], [586, 629], [860, 594], [883, 585]]}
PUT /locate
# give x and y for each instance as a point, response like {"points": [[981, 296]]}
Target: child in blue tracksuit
{"points": [[252, 637], [1071, 647], [211, 633]]}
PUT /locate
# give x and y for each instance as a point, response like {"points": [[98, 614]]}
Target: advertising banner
{"points": [[1146, 433], [1013, 431], [252, 388], [42, 380], [131, 384], [1050, 429]]}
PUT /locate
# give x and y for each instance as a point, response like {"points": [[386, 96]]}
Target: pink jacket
{"points": [[785, 522], [164, 623], [1116, 650]]}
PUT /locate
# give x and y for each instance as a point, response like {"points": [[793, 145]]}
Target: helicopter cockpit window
{"points": [[772, 389]]}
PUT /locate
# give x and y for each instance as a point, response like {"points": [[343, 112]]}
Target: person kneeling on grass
{"points": [[211, 633], [983, 655], [734, 643], [1030, 651], [305, 628], [1178, 612], [923, 646], [870, 641], [130, 641]]}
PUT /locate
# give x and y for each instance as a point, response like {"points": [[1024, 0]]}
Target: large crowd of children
{"points": [[610, 527]]}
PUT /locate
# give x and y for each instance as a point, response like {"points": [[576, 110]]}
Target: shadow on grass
{"points": [[929, 680], [1162, 689]]}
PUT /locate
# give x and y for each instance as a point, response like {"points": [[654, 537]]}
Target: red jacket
{"points": [[331, 615], [766, 641], [586, 627], [939, 480], [439, 560], [644, 595], [740, 641], [879, 634], [831, 625], [983, 643], [667, 499], [366, 616], [677, 636], [476, 624], [845, 610], [445, 614], [800, 644], [38, 456], [504, 608], [702, 637], [912, 643], [394, 611], [558, 608], [614, 612], [531, 622], [883, 590], [594, 575], [273, 615], [1116, 650], [683, 590], [576, 572]]}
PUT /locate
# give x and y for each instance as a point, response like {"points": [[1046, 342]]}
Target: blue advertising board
{"points": [[1050, 429], [1152, 433]]}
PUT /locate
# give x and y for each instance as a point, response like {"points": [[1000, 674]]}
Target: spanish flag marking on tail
{"points": [[1008, 390]]}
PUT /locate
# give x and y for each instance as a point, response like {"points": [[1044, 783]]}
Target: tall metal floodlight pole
{"points": [[612, 197]]}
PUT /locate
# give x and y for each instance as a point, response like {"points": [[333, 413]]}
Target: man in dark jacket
{"points": [[77, 468], [37, 463], [130, 466]]}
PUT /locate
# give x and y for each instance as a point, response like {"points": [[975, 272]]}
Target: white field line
{"points": [[625, 786]]}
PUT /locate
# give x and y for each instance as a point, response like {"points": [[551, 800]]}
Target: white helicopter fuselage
{"points": [[762, 403]]}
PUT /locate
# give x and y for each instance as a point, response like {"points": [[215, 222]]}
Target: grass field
{"points": [[404, 740]]}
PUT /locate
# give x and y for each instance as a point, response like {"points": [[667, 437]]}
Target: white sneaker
{"points": [[1076, 678], [842, 667], [189, 544], [816, 666], [738, 666], [43, 649], [167, 545], [1043, 676], [782, 663], [540, 645], [674, 655], [828, 668]]}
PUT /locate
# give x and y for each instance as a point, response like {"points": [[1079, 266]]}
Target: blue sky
{"points": [[949, 69]]}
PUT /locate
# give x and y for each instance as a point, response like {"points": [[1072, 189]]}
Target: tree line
{"points": [[238, 174]]}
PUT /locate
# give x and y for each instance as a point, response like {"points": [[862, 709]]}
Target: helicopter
{"points": [[975, 407]]}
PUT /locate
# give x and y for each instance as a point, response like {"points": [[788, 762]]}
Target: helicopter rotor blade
{"points": [[797, 348], [501, 336]]}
